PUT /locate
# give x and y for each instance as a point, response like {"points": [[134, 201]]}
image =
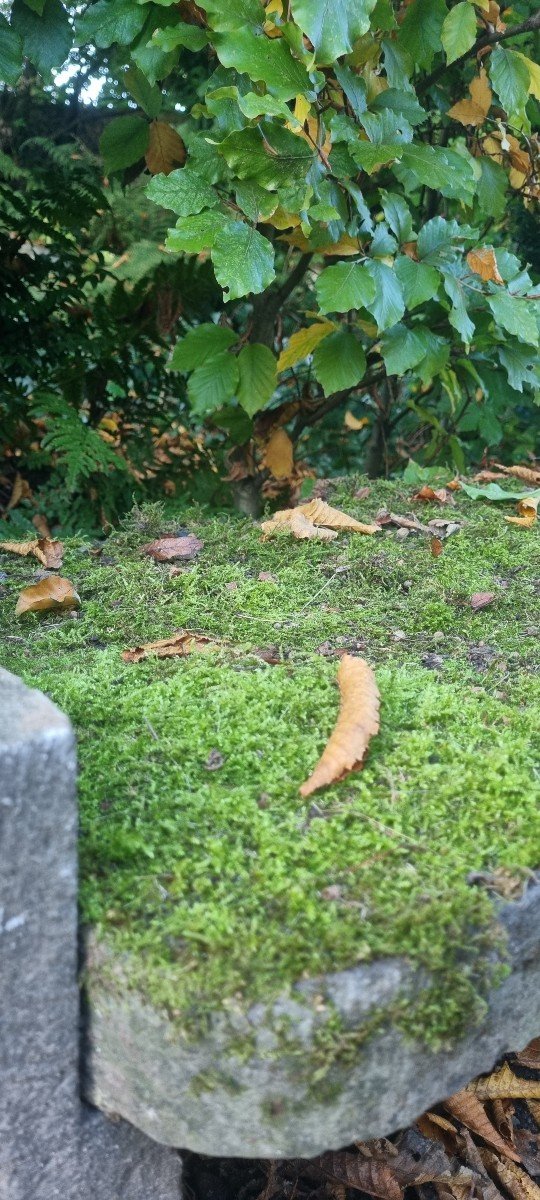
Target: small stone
{"points": [[229, 587], [332, 892], [402, 534], [214, 761], [438, 636], [432, 661], [398, 635], [264, 800]]}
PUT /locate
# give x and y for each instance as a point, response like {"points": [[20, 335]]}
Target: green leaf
{"points": [[213, 384], [458, 33], [345, 286], [388, 305], [272, 156], [243, 260], [435, 237], [150, 59], [370, 157], [201, 344], [382, 17], [459, 317], [492, 187], [493, 491], [399, 101], [398, 65], [226, 16], [398, 215], [436, 356], [252, 105], [332, 25], [437, 167], [401, 349], [123, 142], [419, 281], [147, 95], [420, 31], [110, 21], [519, 364], [184, 191], [254, 200], [182, 34], [354, 86], [196, 233], [516, 316], [47, 39], [511, 80], [266, 60], [257, 377], [11, 53], [339, 362]]}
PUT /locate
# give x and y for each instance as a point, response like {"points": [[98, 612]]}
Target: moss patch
{"points": [[215, 879]]}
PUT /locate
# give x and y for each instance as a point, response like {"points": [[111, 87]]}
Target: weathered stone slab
{"points": [[214, 1098], [51, 1145]]}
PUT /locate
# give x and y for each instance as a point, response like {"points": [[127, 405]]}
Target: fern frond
{"points": [[79, 448]]}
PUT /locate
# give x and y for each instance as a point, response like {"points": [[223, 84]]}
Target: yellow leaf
{"points": [[345, 247], [302, 528], [166, 149], [503, 1084], [303, 343], [278, 455], [281, 219], [322, 514], [483, 263], [352, 422], [357, 723], [528, 512], [51, 593], [23, 548], [534, 73], [475, 110], [302, 109]]}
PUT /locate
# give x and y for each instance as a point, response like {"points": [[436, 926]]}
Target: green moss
{"points": [[219, 894]]}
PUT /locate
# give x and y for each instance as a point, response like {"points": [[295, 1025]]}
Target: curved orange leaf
{"points": [[357, 723]]}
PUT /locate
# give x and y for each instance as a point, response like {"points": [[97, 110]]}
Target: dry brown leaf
{"points": [[519, 472], [436, 547], [528, 512], [364, 1175], [431, 495], [317, 520], [178, 646], [481, 600], [530, 1056], [355, 423], [21, 490], [168, 548], [357, 723], [23, 548], [302, 528], [322, 513], [528, 1145], [483, 263], [51, 593], [278, 457], [166, 149], [48, 552], [487, 476], [503, 1084], [511, 1177], [42, 525], [468, 1109], [534, 1109], [475, 110]]}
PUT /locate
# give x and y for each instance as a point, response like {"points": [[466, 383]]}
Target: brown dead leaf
{"points": [[528, 474], [316, 520], [487, 476], [23, 548], [21, 490], [474, 111], [178, 646], [266, 577], [53, 592], [48, 552], [166, 149], [528, 512], [436, 547], [468, 1109], [431, 495], [503, 1084], [165, 549], [530, 1056], [528, 1145], [42, 525], [278, 457], [357, 723], [322, 513], [511, 1177], [302, 528], [534, 1109], [483, 263], [362, 493], [481, 600], [364, 1175]]}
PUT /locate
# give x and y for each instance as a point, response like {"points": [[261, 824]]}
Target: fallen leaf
{"points": [[528, 512], [483, 263], [21, 490], [51, 593], [503, 1084], [494, 491], [165, 549], [481, 600], [166, 149], [321, 513], [352, 422], [364, 1175], [266, 577], [48, 552], [389, 518], [362, 493], [520, 472], [278, 457], [303, 529], [23, 548], [487, 476], [315, 520], [178, 646], [436, 547], [530, 1056], [528, 1146], [429, 494], [42, 525], [468, 1108], [475, 110], [214, 761], [511, 1177], [357, 723]]}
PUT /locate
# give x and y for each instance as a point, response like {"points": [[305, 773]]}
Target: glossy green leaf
{"points": [[339, 362], [345, 286], [46, 39], [123, 142], [354, 86], [11, 53], [201, 344], [243, 260], [459, 317], [110, 21], [226, 16], [146, 95], [516, 316], [196, 233], [182, 34], [257, 377], [492, 187], [213, 384], [510, 78], [332, 25], [273, 157], [184, 191], [419, 281], [420, 31], [401, 349], [458, 33], [265, 60], [398, 215], [388, 305]]}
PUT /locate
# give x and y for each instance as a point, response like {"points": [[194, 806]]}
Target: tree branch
{"points": [[487, 39], [267, 305]]}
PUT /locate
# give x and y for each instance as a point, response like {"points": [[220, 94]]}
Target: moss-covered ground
{"points": [[216, 879]]}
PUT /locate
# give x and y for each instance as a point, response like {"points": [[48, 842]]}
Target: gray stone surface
{"points": [[51, 1145], [205, 1096]]}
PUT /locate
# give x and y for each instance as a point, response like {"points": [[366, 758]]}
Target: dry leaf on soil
{"points": [[319, 516], [436, 547], [468, 1109], [51, 593], [363, 1174], [528, 512], [483, 263], [481, 600], [530, 1056], [46, 550], [503, 1084], [178, 646], [165, 549], [518, 472], [429, 494], [512, 1178], [357, 723], [42, 525]]}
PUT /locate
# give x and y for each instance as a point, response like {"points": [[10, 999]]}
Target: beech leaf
{"points": [[357, 723], [528, 512], [475, 110], [51, 593], [481, 600], [316, 513], [503, 1084], [166, 149], [279, 455], [178, 646], [165, 549], [483, 263], [469, 1109]]}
